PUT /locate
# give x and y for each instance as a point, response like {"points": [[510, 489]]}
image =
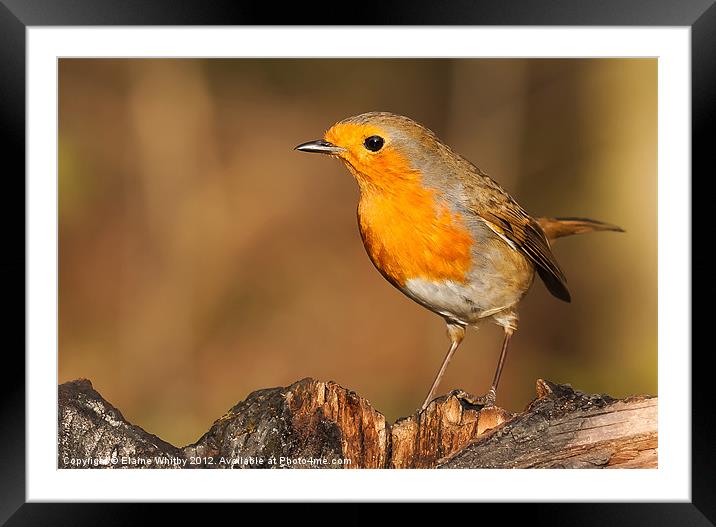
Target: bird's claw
{"points": [[485, 401]]}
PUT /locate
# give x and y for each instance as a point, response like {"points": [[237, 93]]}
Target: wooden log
{"points": [[94, 434], [309, 424], [564, 428], [314, 424]]}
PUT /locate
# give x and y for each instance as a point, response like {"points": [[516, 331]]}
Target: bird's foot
{"points": [[484, 401]]}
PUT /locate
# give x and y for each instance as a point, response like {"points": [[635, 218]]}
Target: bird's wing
{"points": [[504, 216], [493, 205], [524, 234]]}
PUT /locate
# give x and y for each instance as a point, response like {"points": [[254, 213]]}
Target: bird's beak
{"points": [[320, 147]]}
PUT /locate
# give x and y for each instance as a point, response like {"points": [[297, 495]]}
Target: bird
{"points": [[443, 232]]}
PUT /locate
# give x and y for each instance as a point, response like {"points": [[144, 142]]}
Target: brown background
{"points": [[202, 258]]}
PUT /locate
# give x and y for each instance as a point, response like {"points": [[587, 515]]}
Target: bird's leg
{"points": [[456, 332], [509, 323]]}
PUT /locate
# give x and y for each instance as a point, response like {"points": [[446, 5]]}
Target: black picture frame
{"points": [[17, 15]]}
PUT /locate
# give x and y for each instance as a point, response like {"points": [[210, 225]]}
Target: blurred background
{"points": [[202, 258]]}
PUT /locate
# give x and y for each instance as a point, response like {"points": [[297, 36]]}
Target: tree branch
{"points": [[313, 424]]}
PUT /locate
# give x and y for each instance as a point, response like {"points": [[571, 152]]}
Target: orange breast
{"points": [[407, 231], [409, 234]]}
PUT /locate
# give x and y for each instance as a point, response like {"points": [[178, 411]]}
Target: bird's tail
{"points": [[557, 227]]}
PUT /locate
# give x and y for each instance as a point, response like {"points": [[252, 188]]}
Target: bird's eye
{"points": [[374, 143]]}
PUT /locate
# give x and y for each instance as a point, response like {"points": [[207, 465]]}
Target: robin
{"points": [[443, 232]]}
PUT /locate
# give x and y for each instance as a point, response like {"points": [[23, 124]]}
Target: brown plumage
{"points": [[442, 231], [557, 227]]}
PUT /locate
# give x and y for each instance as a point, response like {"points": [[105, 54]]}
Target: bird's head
{"points": [[382, 150]]}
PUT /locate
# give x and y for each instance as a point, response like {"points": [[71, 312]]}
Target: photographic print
{"points": [[363, 263], [250, 245]]}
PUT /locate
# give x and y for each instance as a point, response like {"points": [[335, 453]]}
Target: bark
{"points": [[92, 433], [313, 424]]}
